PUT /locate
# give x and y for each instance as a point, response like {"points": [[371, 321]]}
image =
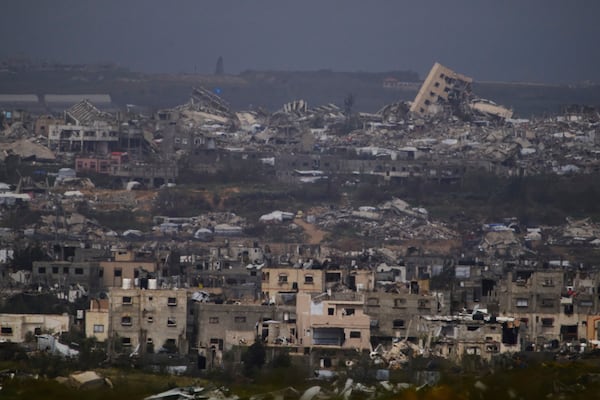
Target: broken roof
{"points": [[84, 113]]}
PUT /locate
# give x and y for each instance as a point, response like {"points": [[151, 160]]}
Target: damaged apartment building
{"points": [[101, 143], [549, 302], [444, 89], [86, 129]]}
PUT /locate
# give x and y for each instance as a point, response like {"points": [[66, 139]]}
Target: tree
{"points": [[254, 358], [219, 69]]}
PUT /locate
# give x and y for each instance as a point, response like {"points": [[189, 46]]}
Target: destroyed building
{"points": [[85, 129], [444, 89], [441, 86]]}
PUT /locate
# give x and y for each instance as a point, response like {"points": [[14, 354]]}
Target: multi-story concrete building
{"points": [[287, 280], [546, 306], [126, 264], [148, 320], [85, 129], [440, 85], [15, 327], [455, 337], [99, 137], [97, 319], [220, 327], [334, 321], [397, 315], [65, 273]]}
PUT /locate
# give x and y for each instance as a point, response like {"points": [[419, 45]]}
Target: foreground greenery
{"points": [[550, 380]]}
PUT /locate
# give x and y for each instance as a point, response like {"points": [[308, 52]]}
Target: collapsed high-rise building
{"points": [[441, 85], [445, 89]]}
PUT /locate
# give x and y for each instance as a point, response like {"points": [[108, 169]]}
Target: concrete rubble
{"points": [[392, 255]]}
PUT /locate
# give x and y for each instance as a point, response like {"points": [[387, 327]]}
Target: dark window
{"points": [[398, 323], [127, 300], [330, 311], [546, 322], [126, 341], [355, 334], [171, 321], [172, 301], [55, 270], [348, 311], [216, 343], [66, 270], [41, 270], [78, 271], [118, 272], [308, 279], [101, 273], [126, 321], [6, 331]]}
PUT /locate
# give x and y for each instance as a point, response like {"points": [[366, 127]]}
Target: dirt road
{"points": [[315, 235]]}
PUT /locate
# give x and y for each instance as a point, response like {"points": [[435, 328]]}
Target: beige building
{"points": [[540, 299], [42, 123], [593, 328], [397, 314], [440, 84], [126, 265], [97, 319], [490, 108], [148, 320], [332, 321], [14, 327], [291, 280], [361, 280], [455, 337]]}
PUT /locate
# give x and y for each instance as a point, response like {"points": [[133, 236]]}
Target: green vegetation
{"points": [[18, 217], [37, 303], [118, 219], [254, 357], [525, 379], [25, 254], [182, 202], [542, 199]]}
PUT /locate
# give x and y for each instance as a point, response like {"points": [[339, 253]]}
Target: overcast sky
{"points": [[515, 40]]}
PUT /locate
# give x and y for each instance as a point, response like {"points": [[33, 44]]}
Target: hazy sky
{"points": [[534, 40]]}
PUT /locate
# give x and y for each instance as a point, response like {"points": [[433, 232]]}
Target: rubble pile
{"points": [[393, 220]]}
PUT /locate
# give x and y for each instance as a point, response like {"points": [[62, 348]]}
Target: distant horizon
{"points": [[39, 61], [549, 41]]}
